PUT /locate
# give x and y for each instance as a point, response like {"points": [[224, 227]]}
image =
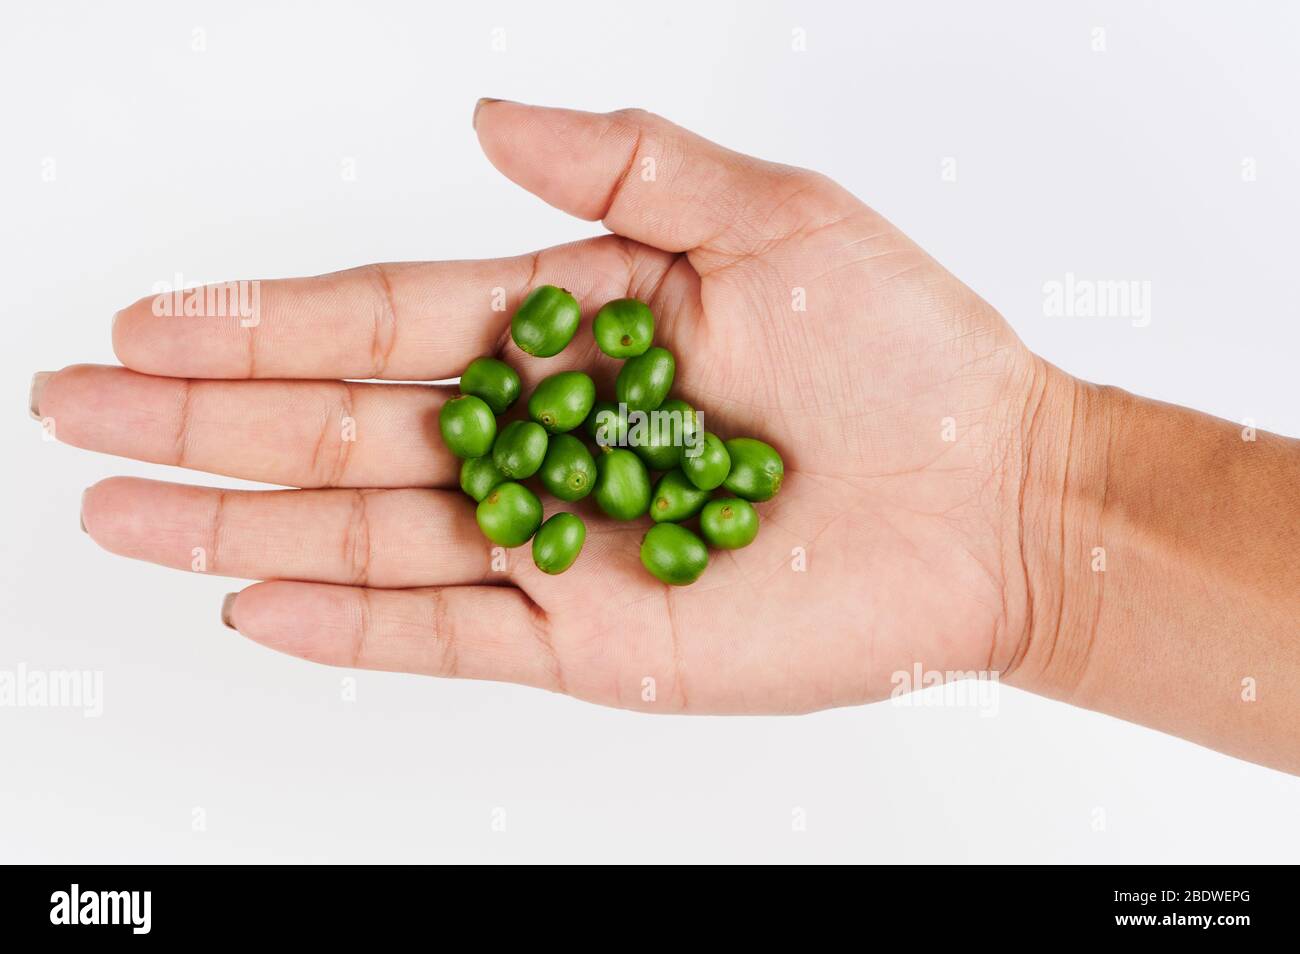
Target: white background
{"points": [[226, 163]]}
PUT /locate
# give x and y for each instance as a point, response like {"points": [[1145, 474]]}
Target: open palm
{"points": [[897, 398]]}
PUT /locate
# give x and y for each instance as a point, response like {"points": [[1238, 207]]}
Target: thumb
{"points": [[650, 180]]}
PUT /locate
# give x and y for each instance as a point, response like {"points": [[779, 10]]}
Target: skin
{"points": [[887, 546]]}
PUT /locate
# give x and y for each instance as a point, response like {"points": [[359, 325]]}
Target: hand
{"points": [[900, 401]]}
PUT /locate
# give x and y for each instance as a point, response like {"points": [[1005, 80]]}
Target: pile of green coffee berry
{"points": [[642, 431]]}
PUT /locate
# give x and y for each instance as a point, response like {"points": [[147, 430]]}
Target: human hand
{"points": [[902, 403]]}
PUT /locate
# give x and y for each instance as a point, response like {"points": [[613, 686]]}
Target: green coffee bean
{"points": [[478, 475], [756, 469], [709, 468], [622, 484], [545, 321], [495, 382], [558, 543], [645, 380], [520, 449], [675, 498], [562, 401], [624, 328], [654, 447], [568, 470], [685, 422], [606, 426], [663, 434], [729, 523], [467, 425], [509, 515], [643, 429], [673, 554]]}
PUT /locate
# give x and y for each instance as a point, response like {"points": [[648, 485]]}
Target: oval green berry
{"points": [[478, 475], [545, 321], [467, 425], [684, 420], [568, 470], [520, 449], [622, 484], [729, 523], [558, 543], [509, 514], [562, 401], [756, 469], [645, 380], [493, 381], [675, 498], [624, 328], [659, 437], [673, 554], [708, 468], [654, 447], [606, 426]]}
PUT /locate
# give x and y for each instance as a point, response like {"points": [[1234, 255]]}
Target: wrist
{"points": [[1160, 584], [1067, 438]]}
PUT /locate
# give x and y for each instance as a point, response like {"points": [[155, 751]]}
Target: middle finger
{"points": [[375, 538]]}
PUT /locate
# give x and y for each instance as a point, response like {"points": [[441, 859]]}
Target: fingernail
{"points": [[228, 609], [34, 398], [81, 514], [483, 101]]}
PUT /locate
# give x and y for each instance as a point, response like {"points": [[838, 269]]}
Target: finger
{"points": [[296, 433], [384, 538], [469, 632], [413, 322], [650, 180]]}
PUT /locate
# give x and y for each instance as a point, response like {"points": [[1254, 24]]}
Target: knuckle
{"points": [[331, 453], [184, 417], [443, 650], [384, 321], [815, 189], [362, 631], [356, 541], [634, 115], [218, 529]]}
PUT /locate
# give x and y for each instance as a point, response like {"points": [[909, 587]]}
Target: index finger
{"points": [[417, 321]]}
